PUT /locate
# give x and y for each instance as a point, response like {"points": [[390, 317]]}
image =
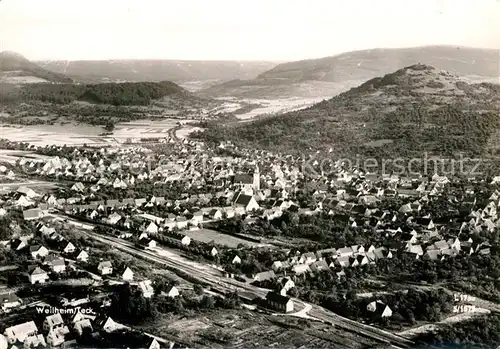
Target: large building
{"points": [[279, 302]]}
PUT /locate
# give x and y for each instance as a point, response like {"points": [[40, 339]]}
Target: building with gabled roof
{"points": [[38, 251], [127, 275], [379, 309], [265, 275], [247, 202], [81, 255], [52, 322], [279, 302], [171, 291], [37, 275], [69, 248], [105, 268], [146, 287], [9, 301], [177, 239], [19, 333]]}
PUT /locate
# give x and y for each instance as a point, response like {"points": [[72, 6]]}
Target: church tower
{"points": [[256, 179]]}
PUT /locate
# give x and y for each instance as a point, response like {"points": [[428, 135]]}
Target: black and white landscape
{"points": [[249, 175]]}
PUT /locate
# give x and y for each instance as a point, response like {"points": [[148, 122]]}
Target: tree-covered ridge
{"points": [[483, 332], [10, 61], [414, 109], [126, 93]]}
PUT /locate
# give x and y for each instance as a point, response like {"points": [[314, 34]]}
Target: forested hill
{"points": [[413, 110], [127, 93], [25, 82], [12, 63]]}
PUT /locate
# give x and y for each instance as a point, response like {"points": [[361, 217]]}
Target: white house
{"points": [[30, 193], [37, 275], [379, 309], [301, 269], [110, 325], [52, 322], [171, 292], [38, 251], [17, 245], [128, 274], [19, 333], [215, 214], [58, 265], [146, 288], [152, 228], [178, 239], [247, 202], [9, 301], [148, 243], [105, 268], [154, 344], [287, 283], [81, 325], [79, 187], [82, 256], [114, 218], [56, 329], [70, 248], [34, 341]]}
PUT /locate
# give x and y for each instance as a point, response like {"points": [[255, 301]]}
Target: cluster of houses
{"points": [[116, 167], [236, 186], [62, 329], [350, 198], [65, 257]]}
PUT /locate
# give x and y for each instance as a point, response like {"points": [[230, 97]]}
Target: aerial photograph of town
{"points": [[250, 174]]}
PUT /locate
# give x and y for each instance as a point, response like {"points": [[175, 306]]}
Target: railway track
{"points": [[213, 278]]}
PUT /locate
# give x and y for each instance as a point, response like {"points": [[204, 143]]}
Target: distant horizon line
{"points": [[254, 60]]}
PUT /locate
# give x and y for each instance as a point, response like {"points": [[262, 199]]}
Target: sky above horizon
{"points": [[274, 30]]}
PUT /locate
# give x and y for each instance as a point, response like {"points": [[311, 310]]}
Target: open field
{"points": [[208, 235], [143, 129], [39, 187], [21, 79], [71, 134], [79, 134], [278, 106], [197, 85], [186, 130], [11, 156], [247, 329], [52, 134]]}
